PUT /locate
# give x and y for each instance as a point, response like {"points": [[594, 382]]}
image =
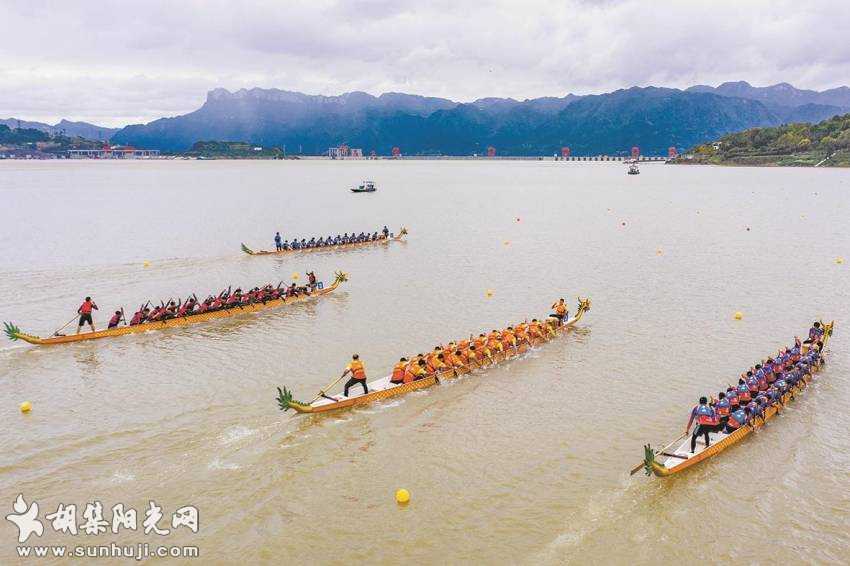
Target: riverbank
{"points": [[803, 159]]}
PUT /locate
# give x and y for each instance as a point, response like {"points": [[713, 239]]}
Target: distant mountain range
{"points": [[70, 129], [652, 118]]}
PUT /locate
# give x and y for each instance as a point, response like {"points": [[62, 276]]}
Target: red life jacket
{"points": [[137, 318], [86, 307], [705, 415], [722, 407], [116, 318]]}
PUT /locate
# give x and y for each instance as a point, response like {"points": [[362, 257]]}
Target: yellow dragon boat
{"points": [[15, 333], [667, 461], [380, 389], [400, 237]]}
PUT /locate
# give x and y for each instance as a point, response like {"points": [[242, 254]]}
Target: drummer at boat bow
{"points": [[561, 311], [85, 314], [358, 374]]}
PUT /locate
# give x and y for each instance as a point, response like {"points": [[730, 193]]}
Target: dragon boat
{"points": [[382, 388], [670, 461], [397, 238], [15, 333]]}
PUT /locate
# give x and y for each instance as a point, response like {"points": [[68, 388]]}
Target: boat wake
{"points": [[235, 434]]}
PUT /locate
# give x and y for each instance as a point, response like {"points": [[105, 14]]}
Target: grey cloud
{"points": [[104, 62]]}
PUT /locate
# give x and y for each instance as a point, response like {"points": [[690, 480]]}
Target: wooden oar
{"points": [[322, 391], [639, 466], [66, 324]]}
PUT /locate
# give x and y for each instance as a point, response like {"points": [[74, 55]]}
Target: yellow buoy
{"points": [[402, 496], [739, 315], [507, 243], [295, 276], [839, 260], [26, 407], [489, 293], [146, 263]]}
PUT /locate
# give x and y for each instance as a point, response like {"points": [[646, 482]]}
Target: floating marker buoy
{"points": [[517, 218], [622, 223], [26, 407], [295, 276], [489, 293], [507, 243], [658, 251], [748, 228], [839, 260], [739, 315], [402, 496], [146, 263]]}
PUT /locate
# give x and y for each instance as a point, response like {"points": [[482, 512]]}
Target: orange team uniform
{"points": [[508, 339], [456, 360], [358, 370], [398, 373], [535, 331], [494, 341], [521, 333], [413, 372]]}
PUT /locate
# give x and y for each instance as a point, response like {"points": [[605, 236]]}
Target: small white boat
{"points": [[365, 187]]}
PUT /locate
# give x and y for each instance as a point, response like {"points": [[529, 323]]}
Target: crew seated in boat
{"points": [[415, 370], [738, 418], [397, 377], [707, 421], [358, 375], [116, 318]]}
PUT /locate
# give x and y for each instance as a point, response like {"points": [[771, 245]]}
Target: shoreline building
{"points": [[113, 152], [345, 152]]}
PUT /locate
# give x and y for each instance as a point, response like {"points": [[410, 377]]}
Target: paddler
{"points": [[706, 419], [561, 311], [85, 314], [737, 419], [311, 278], [277, 241], [115, 320], [535, 330], [723, 407], [397, 377], [358, 374], [386, 232], [417, 369], [456, 359], [138, 317]]}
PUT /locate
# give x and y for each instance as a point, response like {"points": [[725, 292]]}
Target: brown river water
{"points": [[523, 464]]}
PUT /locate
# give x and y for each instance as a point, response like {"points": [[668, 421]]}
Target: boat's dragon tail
{"points": [[648, 459], [285, 400], [15, 333], [12, 331], [247, 250]]}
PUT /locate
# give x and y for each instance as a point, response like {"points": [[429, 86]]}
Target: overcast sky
{"points": [[115, 63]]}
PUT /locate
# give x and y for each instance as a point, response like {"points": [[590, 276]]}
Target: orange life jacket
{"points": [[560, 308], [398, 372], [358, 371]]}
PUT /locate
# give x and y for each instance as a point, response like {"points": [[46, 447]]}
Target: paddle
{"points": [[66, 324], [639, 466], [123, 317]]}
